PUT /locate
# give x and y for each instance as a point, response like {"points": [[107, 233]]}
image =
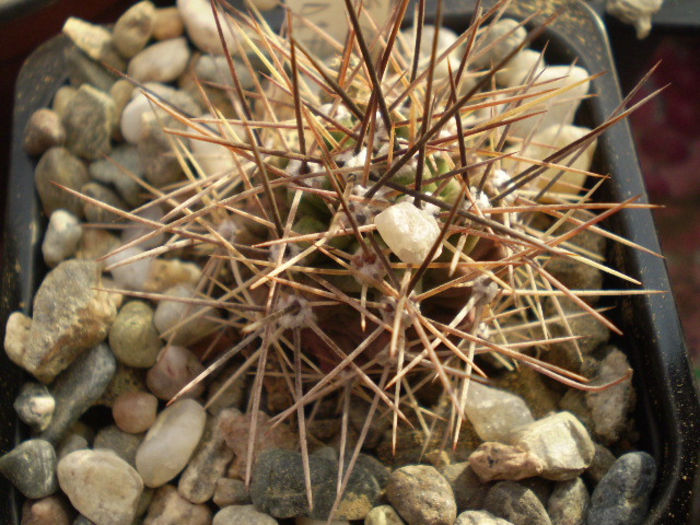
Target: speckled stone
{"points": [[493, 460], [133, 336], [230, 491], [133, 29], [30, 466], [59, 166], [479, 517], [420, 494], [514, 502], [96, 213], [35, 405], [568, 503], [248, 514], [88, 121], [622, 496], [44, 130], [121, 443], [169, 508], [468, 489], [76, 389], [383, 515]]}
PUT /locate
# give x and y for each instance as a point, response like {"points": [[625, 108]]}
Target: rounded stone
{"points": [[170, 442], [174, 369], [168, 507], [167, 23], [31, 466], [160, 62], [248, 514], [99, 214], [88, 121], [35, 405], [59, 166], [171, 314], [133, 29], [229, 491], [44, 130], [133, 336], [52, 510], [383, 515], [101, 486], [121, 443], [135, 412], [516, 503], [420, 494], [622, 496], [568, 503], [480, 517], [61, 238]]}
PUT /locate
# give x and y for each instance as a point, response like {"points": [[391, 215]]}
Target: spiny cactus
{"points": [[373, 222]]}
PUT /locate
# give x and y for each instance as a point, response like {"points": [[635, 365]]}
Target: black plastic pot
{"points": [[667, 406]]}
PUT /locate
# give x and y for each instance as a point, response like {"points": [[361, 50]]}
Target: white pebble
{"points": [[214, 158], [168, 314], [495, 44], [170, 442], [409, 231], [545, 143], [137, 229], [101, 486], [160, 62], [131, 276], [495, 413], [131, 124], [517, 70], [446, 37], [61, 238], [200, 25]]}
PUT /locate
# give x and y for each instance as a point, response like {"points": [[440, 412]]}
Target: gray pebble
{"points": [[602, 461], [207, 465], [278, 487], [468, 489], [88, 121], [568, 504], [229, 491], [82, 70], [622, 496], [35, 405], [121, 443], [61, 238], [114, 171], [421, 495], [60, 166], [70, 443], [133, 336], [98, 214], [248, 514], [479, 517], [44, 130], [77, 388], [513, 502], [31, 467], [133, 29]]}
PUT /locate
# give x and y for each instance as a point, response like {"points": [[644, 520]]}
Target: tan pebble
{"points": [[167, 24], [44, 130], [135, 412]]}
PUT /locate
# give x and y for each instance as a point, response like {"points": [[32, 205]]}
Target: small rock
{"points": [[445, 38], [494, 460], [160, 166], [479, 517], [61, 238], [383, 515], [610, 408], [201, 26], [167, 273], [121, 443], [70, 443], [278, 487], [174, 369], [53, 510], [78, 387], [468, 489], [167, 23], [410, 232], [61, 99], [126, 379], [116, 170], [88, 121], [133, 29], [602, 461], [515, 73], [129, 275], [560, 441], [135, 412], [568, 504], [236, 429], [500, 39], [99, 214], [235, 514], [94, 40], [495, 413], [35, 405], [96, 243], [169, 508], [133, 336], [44, 130], [121, 92], [230, 491], [145, 232], [30, 466], [170, 442], [83, 70], [515, 503], [302, 520], [59, 166], [169, 317], [160, 62], [421, 495], [221, 394], [100, 485], [622, 496], [208, 464]]}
